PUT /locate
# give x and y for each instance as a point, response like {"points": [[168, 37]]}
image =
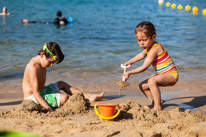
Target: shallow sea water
{"points": [[101, 36]]}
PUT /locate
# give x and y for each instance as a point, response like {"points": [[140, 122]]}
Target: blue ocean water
{"points": [[101, 36]]}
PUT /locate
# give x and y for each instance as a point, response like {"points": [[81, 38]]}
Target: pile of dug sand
{"points": [[76, 104], [165, 123], [76, 118]]}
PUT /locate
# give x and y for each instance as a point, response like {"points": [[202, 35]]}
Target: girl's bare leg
{"points": [[154, 83], [155, 93], [145, 90]]}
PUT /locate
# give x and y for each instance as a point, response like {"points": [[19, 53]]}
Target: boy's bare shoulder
{"points": [[32, 65]]}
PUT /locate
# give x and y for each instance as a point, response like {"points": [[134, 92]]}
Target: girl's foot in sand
{"points": [[148, 107], [151, 107], [156, 108], [94, 97]]}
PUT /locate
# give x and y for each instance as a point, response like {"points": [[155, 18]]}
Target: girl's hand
{"points": [[126, 75], [128, 64]]}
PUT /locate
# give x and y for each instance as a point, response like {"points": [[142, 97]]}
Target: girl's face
{"points": [[144, 41]]}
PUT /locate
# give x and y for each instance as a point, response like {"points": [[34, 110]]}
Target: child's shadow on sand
{"points": [[196, 102], [111, 97], [11, 103]]}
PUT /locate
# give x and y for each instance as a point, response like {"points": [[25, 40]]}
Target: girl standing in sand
{"points": [[155, 55]]}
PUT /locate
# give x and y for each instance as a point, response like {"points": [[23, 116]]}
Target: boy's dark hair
{"points": [[59, 14], [55, 49], [147, 28]]}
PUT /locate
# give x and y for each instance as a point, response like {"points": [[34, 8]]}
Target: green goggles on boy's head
{"points": [[45, 48]]}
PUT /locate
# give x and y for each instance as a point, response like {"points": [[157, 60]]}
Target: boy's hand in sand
{"points": [[49, 109]]}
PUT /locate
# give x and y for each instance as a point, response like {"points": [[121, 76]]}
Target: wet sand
{"points": [[183, 112]]}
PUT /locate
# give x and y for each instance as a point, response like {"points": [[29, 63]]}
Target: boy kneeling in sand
{"points": [[34, 79]]}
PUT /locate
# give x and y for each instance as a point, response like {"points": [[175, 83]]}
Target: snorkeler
{"points": [[60, 20]]}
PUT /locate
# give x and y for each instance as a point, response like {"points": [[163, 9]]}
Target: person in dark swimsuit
{"points": [[60, 20]]}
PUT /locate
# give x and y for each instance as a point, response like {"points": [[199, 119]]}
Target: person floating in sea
{"points": [[4, 12], [60, 20], [26, 21], [33, 85], [157, 56]]}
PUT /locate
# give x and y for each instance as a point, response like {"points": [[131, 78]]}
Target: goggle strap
{"points": [[45, 48]]}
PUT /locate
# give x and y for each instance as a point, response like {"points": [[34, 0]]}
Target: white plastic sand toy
{"points": [[125, 69]]}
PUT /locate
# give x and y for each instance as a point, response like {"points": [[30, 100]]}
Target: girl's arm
{"points": [[35, 88], [148, 61], [136, 58]]}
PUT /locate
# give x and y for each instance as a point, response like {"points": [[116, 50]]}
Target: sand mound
{"points": [[135, 111], [77, 104], [133, 121], [29, 106], [165, 123]]}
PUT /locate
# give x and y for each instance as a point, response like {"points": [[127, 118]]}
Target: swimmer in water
{"points": [[26, 21], [60, 20], [4, 12]]}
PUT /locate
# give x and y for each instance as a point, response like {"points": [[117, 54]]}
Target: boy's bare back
{"points": [[34, 75]]}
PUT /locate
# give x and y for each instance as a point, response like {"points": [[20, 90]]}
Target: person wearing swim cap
{"points": [[60, 20]]}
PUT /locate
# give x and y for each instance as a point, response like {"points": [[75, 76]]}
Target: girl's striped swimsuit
{"points": [[164, 63]]}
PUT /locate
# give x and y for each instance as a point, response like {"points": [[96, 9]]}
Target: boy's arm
{"points": [[35, 89], [136, 58]]}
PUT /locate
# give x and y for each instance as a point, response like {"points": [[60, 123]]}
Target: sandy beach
{"points": [[100, 39], [183, 114]]}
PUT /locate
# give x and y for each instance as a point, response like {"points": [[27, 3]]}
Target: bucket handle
{"points": [[108, 118]]}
